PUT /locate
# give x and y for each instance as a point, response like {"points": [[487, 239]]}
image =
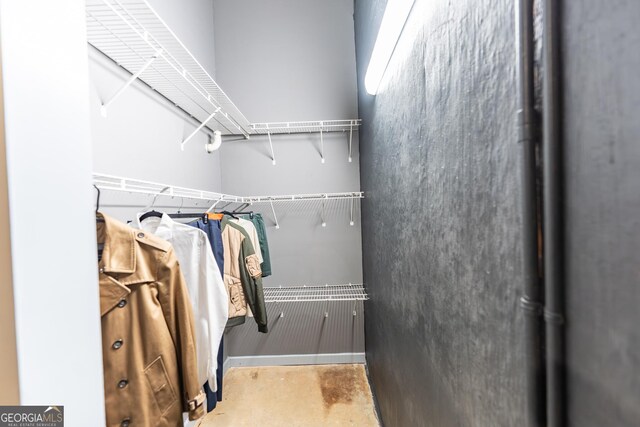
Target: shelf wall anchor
{"points": [[203, 124], [103, 108]]}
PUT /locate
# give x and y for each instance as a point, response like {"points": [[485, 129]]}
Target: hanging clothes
{"points": [[251, 231], [242, 276], [213, 230], [258, 222], [207, 292], [148, 339]]}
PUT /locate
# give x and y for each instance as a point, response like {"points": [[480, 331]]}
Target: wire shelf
{"points": [[129, 185], [305, 127], [132, 34], [136, 38], [304, 293]]}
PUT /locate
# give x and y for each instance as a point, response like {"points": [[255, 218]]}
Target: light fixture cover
{"points": [[393, 20]]}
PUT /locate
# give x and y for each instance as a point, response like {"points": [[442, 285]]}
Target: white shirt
{"points": [[207, 291]]}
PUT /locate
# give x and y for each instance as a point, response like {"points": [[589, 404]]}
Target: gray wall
{"points": [[441, 248], [288, 61], [602, 101], [284, 60], [140, 137]]}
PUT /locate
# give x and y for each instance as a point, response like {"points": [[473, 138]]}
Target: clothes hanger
{"points": [[239, 211], [240, 208], [250, 213], [231, 214], [203, 216], [98, 217], [152, 213]]}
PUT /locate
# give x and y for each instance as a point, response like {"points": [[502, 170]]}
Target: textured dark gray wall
{"points": [[602, 130], [440, 170]]}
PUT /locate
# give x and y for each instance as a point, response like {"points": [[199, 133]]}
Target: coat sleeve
{"points": [[178, 314], [251, 277], [255, 239]]}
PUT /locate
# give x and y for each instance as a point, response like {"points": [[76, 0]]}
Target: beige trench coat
{"points": [[148, 343]]}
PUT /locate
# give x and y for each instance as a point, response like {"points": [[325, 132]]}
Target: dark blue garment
{"points": [[214, 233]]}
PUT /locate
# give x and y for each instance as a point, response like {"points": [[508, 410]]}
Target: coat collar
{"points": [[118, 255], [224, 221], [161, 227], [120, 264]]}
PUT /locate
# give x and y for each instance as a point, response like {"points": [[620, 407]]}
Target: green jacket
{"points": [[242, 276]]}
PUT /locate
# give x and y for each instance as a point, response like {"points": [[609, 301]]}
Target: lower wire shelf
{"points": [[316, 293], [299, 293]]}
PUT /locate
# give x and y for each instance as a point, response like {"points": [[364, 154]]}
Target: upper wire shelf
{"points": [[132, 34], [135, 37]]}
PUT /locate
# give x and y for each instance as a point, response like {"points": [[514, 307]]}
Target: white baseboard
{"points": [[294, 359]]}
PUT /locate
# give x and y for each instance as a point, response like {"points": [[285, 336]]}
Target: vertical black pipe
{"points": [[553, 214], [532, 295]]}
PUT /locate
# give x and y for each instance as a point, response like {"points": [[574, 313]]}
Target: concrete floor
{"points": [[304, 396]]}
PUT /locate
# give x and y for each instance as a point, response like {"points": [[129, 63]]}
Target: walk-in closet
{"points": [[204, 136], [314, 213]]}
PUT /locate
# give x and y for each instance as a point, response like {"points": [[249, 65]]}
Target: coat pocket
{"points": [[236, 298], [253, 266], [160, 386]]}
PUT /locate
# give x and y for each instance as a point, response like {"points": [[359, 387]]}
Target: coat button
{"points": [[125, 422], [122, 383], [140, 235], [122, 303], [117, 344]]}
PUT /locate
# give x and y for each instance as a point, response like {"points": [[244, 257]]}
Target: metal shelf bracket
{"points": [[273, 156], [321, 143], [129, 82], [275, 218], [203, 124], [350, 139]]}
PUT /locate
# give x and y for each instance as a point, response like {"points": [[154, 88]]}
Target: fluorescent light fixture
{"points": [[395, 16]]}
